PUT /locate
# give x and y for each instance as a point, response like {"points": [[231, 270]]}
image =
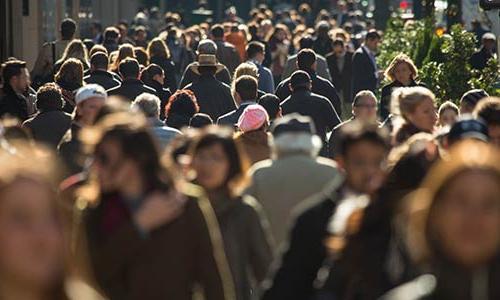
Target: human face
{"points": [[21, 82], [402, 73], [338, 50], [424, 116], [364, 166], [31, 236], [448, 117], [88, 110], [494, 133], [211, 166], [466, 219], [372, 44], [365, 109]]}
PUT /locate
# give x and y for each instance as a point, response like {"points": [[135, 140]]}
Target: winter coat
{"points": [[169, 70], [130, 89], [189, 76], [13, 104], [227, 55], [341, 79], [49, 127], [231, 118], [255, 144], [102, 78]]}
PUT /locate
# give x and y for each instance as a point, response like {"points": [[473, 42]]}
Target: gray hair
{"points": [[363, 94], [207, 47], [148, 103], [295, 143]]}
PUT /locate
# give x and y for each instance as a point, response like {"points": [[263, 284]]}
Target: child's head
{"points": [[448, 114]]}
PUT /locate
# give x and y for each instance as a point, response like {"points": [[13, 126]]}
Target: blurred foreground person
{"points": [[148, 239], [220, 169], [453, 228], [488, 111]]}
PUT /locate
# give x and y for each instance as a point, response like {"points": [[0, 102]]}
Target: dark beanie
{"points": [[299, 79], [472, 97]]}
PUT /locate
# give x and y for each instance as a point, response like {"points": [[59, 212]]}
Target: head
{"points": [[455, 216], [256, 51], [364, 106], [142, 56], [140, 33], [372, 40], [306, 42], [218, 161], [489, 41], [470, 99], [68, 29], [148, 104], [76, 49], [71, 71], [182, 102], [363, 149], [16, 76], [467, 128], [153, 73], [253, 118], [98, 48], [294, 134], [111, 35], [272, 105], [306, 60], [217, 32], [300, 80], [31, 224], [448, 114], [338, 47], [96, 28], [488, 110], [49, 98], [129, 68], [245, 89], [89, 100], [99, 61], [200, 120], [416, 105], [158, 48], [401, 69], [207, 47]]}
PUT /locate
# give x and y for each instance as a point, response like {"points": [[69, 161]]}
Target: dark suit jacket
{"points": [[363, 72], [130, 89], [232, 118], [189, 76], [102, 78], [342, 80]]}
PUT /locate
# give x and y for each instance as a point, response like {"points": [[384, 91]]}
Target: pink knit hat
{"points": [[253, 118]]}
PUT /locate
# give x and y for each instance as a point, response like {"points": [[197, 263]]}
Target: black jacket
{"points": [[315, 106], [130, 89], [49, 127], [385, 98], [363, 72], [12, 104], [189, 76], [214, 97], [320, 86], [231, 118], [102, 78], [342, 80], [479, 59], [162, 93], [300, 263], [70, 150], [168, 67]]}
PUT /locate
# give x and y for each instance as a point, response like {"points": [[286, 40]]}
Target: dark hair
{"points": [[217, 31], [306, 42], [200, 120], [142, 56], [489, 111], [373, 35], [99, 60], [271, 104], [181, 107], [97, 25], [111, 33], [68, 29], [129, 67], [358, 131], [448, 105], [338, 42], [246, 87], [306, 59], [238, 165], [12, 68], [149, 72], [254, 48], [49, 97]]}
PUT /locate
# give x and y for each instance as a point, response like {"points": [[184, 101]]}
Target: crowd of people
{"points": [[244, 160]]}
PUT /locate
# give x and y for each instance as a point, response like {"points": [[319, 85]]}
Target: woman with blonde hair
{"points": [[414, 110], [125, 51], [452, 227], [160, 54], [249, 69], [70, 79], [401, 72], [75, 49]]}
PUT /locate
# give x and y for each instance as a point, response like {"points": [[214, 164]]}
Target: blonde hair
{"points": [[249, 69], [404, 101], [125, 50], [401, 59], [158, 48], [75, 49]]}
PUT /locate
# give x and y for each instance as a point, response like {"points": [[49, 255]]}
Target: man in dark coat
{"points": [[214, 97], [304, 102], [480, 58], [154, 77], [340, 66], [131, 86], [51, 123], [318, 220], [16, 83], [365, 73], [99, 72], [226, 53], [246, 94], [210, 48], [306, 61]]}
